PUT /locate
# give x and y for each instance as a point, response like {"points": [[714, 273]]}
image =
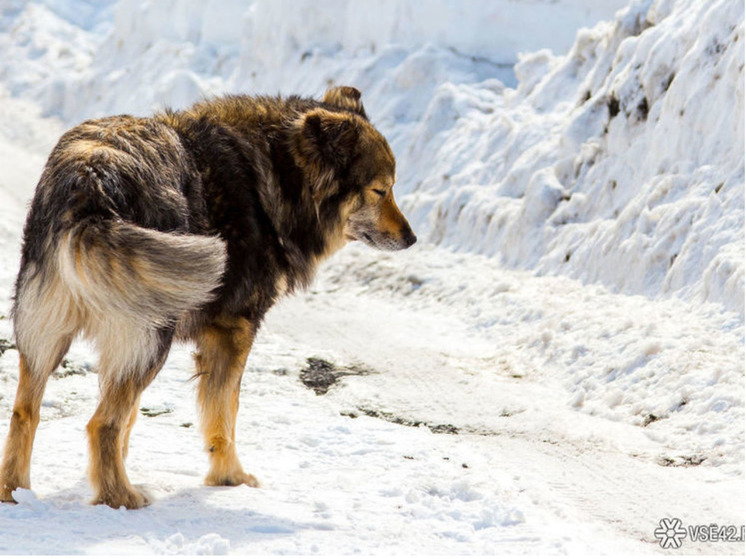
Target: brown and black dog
{"points": [[188, 225]]}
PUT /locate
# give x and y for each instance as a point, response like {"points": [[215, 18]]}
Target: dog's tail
{"points": [[146, 275]]}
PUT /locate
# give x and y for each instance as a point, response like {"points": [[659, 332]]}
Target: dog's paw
{"points": [[233, 479], [6, 496], [129, 498], [251, 481]]}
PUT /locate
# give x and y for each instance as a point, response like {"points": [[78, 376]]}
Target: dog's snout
{"points": [[409, 238]]}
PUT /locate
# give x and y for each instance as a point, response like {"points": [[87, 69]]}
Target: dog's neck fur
{"points": [[307, 229]]}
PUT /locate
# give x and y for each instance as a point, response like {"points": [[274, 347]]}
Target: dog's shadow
{"points": [[184, 522]]}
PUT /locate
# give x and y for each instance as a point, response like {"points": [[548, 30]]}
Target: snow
{"points": [[545, 177], [557, 365]]}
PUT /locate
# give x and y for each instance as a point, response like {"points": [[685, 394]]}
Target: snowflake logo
{"points": [[670, 532]]}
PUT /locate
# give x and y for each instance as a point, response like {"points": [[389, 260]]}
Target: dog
{"points": [[187, 225]]}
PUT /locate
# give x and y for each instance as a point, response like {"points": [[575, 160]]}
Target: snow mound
{"points": [[620, 163], [143, 55]]}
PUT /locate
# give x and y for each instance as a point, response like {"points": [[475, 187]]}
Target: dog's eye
{"points": [[379, 192]]}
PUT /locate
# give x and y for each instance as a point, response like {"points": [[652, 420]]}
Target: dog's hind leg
{"points": [[105, 433], [122, 378], [222, 349], [46, 321], [16, 467], [128, 428]]}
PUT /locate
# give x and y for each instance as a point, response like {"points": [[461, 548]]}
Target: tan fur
{"points": [[87, 148], [48, 331], [128, 428], [379, 217], [108, 432], [103, 282], [390, 217], [16, 466], [346, 97], [222, 350], [337, 238], [281, 285]]}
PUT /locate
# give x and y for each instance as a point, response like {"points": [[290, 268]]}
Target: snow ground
{"points": [[496, 398]]}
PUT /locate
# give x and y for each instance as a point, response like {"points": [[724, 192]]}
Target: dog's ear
{"points": [[327, 137], [323, 144], [345, 97]]}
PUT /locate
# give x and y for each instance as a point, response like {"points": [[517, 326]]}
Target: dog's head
{"points": [[353, 171]]}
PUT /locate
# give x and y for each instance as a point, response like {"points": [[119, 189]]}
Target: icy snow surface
{"points": [[556, 365]]}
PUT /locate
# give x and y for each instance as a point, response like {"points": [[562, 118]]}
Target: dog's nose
{"points": [[409, 238]]}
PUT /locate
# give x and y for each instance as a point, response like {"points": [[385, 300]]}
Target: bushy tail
{"points": [[146, 275]]}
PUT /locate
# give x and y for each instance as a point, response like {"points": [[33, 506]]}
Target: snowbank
{"points": [[620, 163], [171, 51]]}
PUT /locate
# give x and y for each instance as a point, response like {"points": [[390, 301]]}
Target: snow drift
{"points": [[620, 163]]}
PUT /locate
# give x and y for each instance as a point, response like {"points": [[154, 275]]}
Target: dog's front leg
{"points": [[222, 349]]}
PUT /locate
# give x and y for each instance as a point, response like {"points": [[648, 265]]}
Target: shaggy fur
{"points": [[187, 225]]}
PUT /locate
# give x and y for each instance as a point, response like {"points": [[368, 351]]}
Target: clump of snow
{"points": [[177, 544], [27, 500]]}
